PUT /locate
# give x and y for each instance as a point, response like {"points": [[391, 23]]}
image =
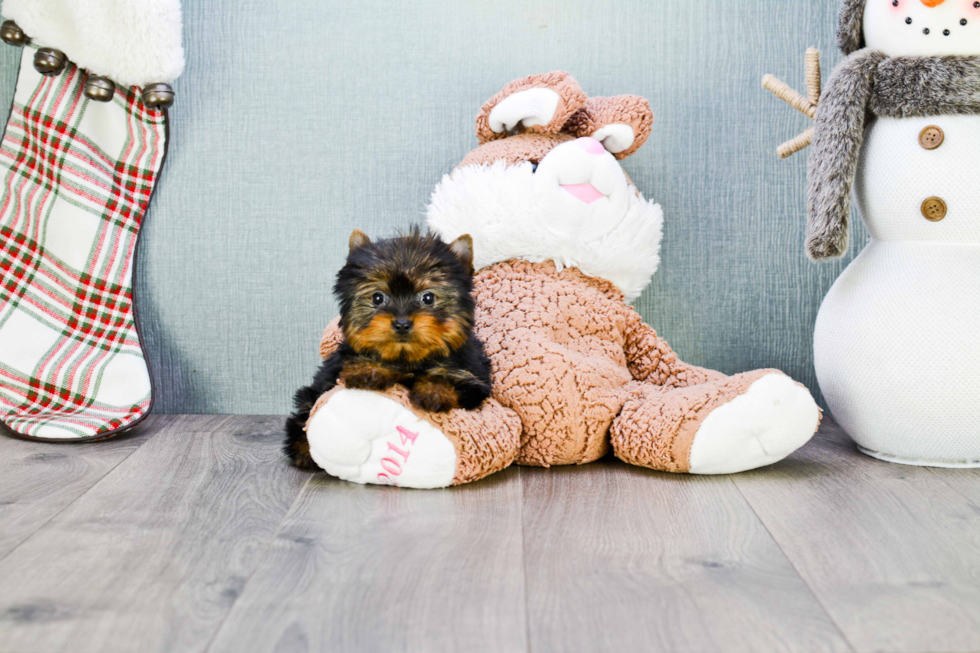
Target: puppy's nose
{"points": [[591, 145], [402, 326]]}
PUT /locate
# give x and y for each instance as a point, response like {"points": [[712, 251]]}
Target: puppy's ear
{"points": [[358, 239], [462, 247]]}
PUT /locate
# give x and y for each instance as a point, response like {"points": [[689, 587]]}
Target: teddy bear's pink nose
{"points": [[591, 145]]}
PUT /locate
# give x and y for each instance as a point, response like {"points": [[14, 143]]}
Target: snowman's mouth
{"points": [[584, 192], [947, 31], [928, 31]]}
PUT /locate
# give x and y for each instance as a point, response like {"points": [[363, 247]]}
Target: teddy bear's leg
{"points": [[380, 438], [723, 426]]}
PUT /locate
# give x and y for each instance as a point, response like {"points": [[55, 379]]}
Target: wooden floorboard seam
{"points": [[792, 564], [73, 501], [527, 614], [938, 473], [265, 553]]}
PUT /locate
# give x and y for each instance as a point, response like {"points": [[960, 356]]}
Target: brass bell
{"points": [[100, 89], [12, 34], [49, 61], [158, 96]]}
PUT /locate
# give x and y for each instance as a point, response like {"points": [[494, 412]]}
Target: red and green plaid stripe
{"points": [[77, 179]]}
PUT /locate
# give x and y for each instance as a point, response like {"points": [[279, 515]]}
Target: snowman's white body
{"points": [[897, 340]]}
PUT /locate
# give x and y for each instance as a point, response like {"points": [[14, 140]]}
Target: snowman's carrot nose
{"points": [[932, 3]]}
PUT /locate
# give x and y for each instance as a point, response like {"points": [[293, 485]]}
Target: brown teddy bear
{"points": [[562, 241]]}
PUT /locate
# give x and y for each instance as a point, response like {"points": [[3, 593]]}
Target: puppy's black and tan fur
{"points": [[406, 312]]}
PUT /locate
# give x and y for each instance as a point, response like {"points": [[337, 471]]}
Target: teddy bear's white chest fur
{"points": [[513, 213]]}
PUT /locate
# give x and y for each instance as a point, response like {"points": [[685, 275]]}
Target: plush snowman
{"points": [[897, 340]]}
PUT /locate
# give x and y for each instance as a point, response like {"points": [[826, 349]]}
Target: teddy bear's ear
{"points": [[539, 103], [622, 123]]}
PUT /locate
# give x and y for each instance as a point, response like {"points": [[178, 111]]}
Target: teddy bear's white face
{"points": [[923, 28], [580, 190]]}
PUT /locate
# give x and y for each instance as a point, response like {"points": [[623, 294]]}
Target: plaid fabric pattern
{"points": [[77, 178]]}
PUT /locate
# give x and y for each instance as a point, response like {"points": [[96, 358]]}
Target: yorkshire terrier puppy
{"points": [[406, 312]]}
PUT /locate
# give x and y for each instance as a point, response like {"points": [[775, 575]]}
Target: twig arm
{"points": [[789, 96], [813, 81], [789, 148], [805, 105]]}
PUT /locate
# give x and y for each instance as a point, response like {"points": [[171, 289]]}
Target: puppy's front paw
{"points": [[368, 375], [434, 396], [471, 396], [299, 453]]}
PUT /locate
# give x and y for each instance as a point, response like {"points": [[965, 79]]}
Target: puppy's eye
{"points": [[378, 298], [534, 167], [428, 298]]}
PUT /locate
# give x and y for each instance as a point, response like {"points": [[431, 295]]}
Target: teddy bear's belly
{"points": [[897, 351], [566, 395]]}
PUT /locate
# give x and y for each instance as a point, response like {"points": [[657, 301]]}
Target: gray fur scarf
{"points": [[867, 84]]}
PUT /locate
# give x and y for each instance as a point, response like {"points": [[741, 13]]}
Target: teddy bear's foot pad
{"points": [[771, 420], [364, 437]]}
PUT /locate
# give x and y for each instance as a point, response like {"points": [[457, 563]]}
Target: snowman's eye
{"points": [[894, 3]]}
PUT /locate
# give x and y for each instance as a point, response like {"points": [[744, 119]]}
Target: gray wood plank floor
{"points": [[193, 535], [39, 480], [629, 560]]}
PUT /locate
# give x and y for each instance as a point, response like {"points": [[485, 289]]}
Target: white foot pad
{"points": [[771, 420], [364, 437]]}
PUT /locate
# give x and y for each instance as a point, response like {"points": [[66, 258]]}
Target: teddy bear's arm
{"points": [[651, 360], [332, 338]]}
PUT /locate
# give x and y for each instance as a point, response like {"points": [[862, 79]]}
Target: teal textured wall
{"points": [[298, 121]]}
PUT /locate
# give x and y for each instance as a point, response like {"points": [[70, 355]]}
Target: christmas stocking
{"points": [[79, 160]]}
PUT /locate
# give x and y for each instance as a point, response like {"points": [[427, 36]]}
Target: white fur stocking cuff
{"points": [[132, 42]]}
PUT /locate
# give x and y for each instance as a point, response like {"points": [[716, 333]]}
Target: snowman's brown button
{"points": [[931, 137], [934, 209]]}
